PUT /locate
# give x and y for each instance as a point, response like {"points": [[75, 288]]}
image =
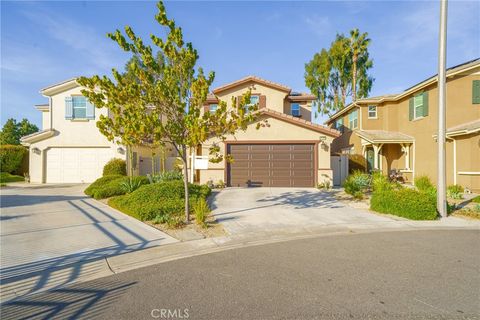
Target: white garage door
{"points": [[76, 165]]}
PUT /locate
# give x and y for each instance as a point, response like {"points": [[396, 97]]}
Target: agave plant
{"points": [[131, 184]]}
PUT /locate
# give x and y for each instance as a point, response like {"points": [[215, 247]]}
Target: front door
{"points": [[370, 159]]}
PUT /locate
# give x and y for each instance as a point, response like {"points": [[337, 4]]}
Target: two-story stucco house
{"points": [[398, 131], [70, 147], [291, 152]]}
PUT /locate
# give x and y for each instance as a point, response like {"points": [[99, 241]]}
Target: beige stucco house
{"points": [[70, 148], [398, 131], [291, 152]]}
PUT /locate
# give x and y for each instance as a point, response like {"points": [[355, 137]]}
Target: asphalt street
{"points": [[389, 275]]}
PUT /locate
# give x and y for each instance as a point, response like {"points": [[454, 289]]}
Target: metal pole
{"points": [[441, 177]]}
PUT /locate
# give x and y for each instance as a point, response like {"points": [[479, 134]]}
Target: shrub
{"points": [[357, 182], [405, 202], [455, 191], [11, 157], [7, 177], [476, 199], [423, 183], [109, 186], [115, 167], [201, 211], [325, 185], [167, 176], [163, 201], [131, 184]]}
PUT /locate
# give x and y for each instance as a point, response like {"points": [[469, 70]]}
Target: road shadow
{"points": [[15, 200], [53, 273], [87, 301]]}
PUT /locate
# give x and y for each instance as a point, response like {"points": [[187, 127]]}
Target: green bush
{"points": [[7, 177], [160, 201], [476, 199], [11, 157], [423, 183], [405, 202], [357, 182], [115, 167], [167, 176], [131, 184], [109, 186], [455, 191], [201, 211]]}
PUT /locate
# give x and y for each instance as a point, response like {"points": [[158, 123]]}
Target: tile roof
{"points": [[465, 128], [383, 136], [253, 79]]}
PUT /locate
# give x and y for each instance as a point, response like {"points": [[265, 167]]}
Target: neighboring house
{"points": [[70, 147], [291, 152], [399, 131]]}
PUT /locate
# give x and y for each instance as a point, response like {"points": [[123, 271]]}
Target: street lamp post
{"points": [[441, 176]]}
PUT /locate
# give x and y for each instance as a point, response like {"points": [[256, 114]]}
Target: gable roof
{"points": [[255, 79], [59, 87], [469, 65], [300, 122]]}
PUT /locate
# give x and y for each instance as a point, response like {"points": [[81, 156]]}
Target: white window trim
{"points": [[78, 107], [355, 121], [415, 107], [210, 107], [376, 112]]}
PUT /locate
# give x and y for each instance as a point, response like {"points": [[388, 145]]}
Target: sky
{"points": [[43, 43]]}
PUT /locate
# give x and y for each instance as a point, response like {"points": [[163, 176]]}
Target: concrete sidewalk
{"points": [[104, 266]]}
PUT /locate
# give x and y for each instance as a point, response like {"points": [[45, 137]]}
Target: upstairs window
{"points": [[79, 105], [254, 100], [339, 125], [213, 108], [372, 112], [476, 91], [295, 109], [418, 106], [353, 120]]}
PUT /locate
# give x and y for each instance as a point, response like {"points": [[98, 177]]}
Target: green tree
{"points": [[333, 76], [12, 131], [173, 92], [359, 43]]}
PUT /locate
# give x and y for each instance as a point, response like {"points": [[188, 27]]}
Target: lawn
{"points": [[6, 177]]}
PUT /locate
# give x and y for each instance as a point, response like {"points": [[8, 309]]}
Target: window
{"points": [[476, 91], [295, 109], [79, 105], [339, 125], [253, 101], [353, 120], [213, 108], [418, 106], [372, 112]]}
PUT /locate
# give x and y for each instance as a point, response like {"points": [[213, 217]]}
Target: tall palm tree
{"points": [[358, 46]]}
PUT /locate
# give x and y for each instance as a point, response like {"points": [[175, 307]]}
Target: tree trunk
{"points": [[153, 161], [185, 183], [354, 79], [130, 157]]}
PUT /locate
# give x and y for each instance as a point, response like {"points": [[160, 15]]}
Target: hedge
{"points": [[405, 202], [165, 199], [109, 186], [115, 167], [11, 157]]}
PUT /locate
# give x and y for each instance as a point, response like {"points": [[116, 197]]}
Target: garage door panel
{"points": [[76, 165], [273, 165]]}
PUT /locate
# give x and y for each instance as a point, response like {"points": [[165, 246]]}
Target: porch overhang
{"points": [[37, 136], [382, 137]]}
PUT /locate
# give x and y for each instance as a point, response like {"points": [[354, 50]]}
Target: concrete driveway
{"points": [[48, 227], [243, 210]]}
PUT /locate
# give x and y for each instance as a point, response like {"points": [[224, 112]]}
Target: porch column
{"points": [[376, 151], [407, 156]]}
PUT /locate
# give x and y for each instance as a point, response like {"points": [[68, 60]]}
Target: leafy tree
{"points": [[172, 93], [360, 62], [333, 76], [12, 131]]}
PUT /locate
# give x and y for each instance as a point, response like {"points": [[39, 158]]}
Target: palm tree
{"points": [[359, 46]]}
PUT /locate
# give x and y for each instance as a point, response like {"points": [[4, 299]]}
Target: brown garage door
{"points": [[271, 165]]}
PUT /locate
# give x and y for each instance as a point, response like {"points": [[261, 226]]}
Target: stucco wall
{"points": [[278, 131]]}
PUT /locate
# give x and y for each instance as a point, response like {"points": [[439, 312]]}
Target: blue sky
{"points": [[43, 43]]}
